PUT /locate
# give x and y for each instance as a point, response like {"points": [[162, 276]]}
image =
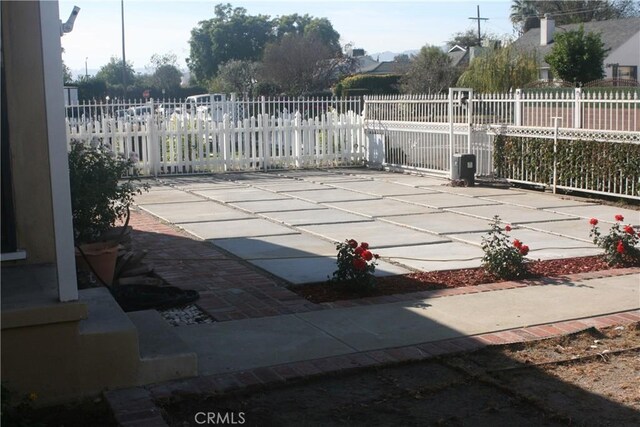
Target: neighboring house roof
{"points": [[366, 64], [613, 33], [459, 57], [388, 67]]}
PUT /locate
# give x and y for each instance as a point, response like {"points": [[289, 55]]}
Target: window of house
{"points": [[627, 72]]}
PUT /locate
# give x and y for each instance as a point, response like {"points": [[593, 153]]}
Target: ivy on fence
{"points": [[612, 167]]}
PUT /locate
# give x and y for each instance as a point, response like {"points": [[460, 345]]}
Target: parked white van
{"points": [[209, 105]]}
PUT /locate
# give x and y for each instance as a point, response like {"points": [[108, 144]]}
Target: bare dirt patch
{"points": [[559, 381], [433, 280]]}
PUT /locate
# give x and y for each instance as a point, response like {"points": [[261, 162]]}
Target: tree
{"points": [[577, 57], [231, 34], [238, 76], [463, 39], [66, 74], [111, 73], [300, 64], [166, 75], [318, 28], [430, 71], [526, 14], [499, 70]]}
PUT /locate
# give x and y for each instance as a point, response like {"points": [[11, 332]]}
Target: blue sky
{"points": [[162, 26]]}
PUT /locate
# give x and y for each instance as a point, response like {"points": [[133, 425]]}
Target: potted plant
{"points": [[100, 197]]}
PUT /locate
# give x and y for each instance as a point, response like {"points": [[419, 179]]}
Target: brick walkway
{"points": [[230, 289]]}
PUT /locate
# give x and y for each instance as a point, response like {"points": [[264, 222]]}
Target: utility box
{"points": [[463, 168]]}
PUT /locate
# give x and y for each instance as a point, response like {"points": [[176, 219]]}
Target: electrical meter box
{"points": [[463, 168]]}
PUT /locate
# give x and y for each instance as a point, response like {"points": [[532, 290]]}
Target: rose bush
{"points": [[620, 245], [503, 258], [356, 265]]}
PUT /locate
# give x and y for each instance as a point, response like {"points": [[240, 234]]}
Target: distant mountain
{"points": [[388, 56]]}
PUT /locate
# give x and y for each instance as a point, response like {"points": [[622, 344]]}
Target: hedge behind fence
{"points": [[609, 167]]}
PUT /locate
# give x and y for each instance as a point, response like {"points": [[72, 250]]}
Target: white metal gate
{"points": [[423, 132]]}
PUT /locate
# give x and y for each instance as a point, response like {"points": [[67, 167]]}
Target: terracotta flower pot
{"points": [[101, 256]]}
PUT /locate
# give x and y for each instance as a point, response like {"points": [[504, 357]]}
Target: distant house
{"points": [[620, 36], [461, 56], [368, 65]]}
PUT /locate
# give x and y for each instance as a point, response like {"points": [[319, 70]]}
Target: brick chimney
{"points": [[547, 28]]}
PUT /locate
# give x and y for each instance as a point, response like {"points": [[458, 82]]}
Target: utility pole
{"points": [[479, 19], [124, 59]]}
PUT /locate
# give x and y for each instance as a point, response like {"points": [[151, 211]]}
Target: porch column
{"points": [[58, 157]]}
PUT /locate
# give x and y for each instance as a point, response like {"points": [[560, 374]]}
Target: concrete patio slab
{"points": [[478, 191], [536, 200], [213, 185], [244, 344], [292, 185], [378, 235], [414, 180], [235, 228], [542, 245], [155, 186], [441, 256], [278, 247], [441, 223], [602, 213], [204, 210], [283, 205], [320, 176], [512, 214], [165, 196], [314, 217], [244, 194], [401, 324], [318, 269], [443, 200], [333, 195], [381, 207], [380, 188], [576, 229]]}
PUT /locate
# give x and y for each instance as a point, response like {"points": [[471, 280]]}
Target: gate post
{"points": [[450, 132], [577, 111]]}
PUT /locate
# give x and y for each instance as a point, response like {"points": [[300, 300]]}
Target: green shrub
{"points": [[366, 84], [356, 265], [620, 245], [503, 258]]}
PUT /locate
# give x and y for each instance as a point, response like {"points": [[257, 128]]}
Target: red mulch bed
{"points": [[432, 280]]}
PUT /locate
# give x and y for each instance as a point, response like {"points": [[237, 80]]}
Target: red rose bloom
{"points": [[593, 221], [364, 245], [353, 243], [619, 217], [359, 264], [524, 250], [629, 229], [359, 250], [517, 243], [507, 228], [620, 247], [376, 256], [367, 255]]}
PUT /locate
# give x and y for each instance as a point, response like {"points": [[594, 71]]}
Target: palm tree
{"points": [[524, 15]]}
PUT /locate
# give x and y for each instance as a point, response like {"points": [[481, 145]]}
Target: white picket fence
{"points": [[415, 132], [192, 144]]}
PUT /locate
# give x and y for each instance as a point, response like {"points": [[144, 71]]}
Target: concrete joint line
{"points": [[355, 350]]}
